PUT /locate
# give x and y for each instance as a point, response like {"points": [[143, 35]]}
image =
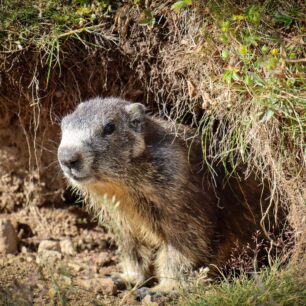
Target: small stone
{"points": [[29, 258], [8, 237], [103, 259], [75, 266], [84, 283], [48, 257], [108, 286], [104, 285], [48, 245], [67, 247], [52, 293], [24, 250], [65, 281]]}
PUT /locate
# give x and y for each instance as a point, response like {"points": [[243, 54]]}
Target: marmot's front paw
{"points": [[141, 293], [156, 292], [124, 280], [120, 283]]}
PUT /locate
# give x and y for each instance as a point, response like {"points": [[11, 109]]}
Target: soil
{"points": [[82, 278]]}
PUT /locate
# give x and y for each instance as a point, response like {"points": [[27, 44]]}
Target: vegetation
{"points": [[269, 287]]}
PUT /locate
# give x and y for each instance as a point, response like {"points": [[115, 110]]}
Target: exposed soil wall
{"points": [[31, 114]]}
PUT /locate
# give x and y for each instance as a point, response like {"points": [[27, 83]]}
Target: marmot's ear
{"points": [[136, 112]]}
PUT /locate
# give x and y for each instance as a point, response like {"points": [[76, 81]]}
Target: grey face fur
{"points": [[99, 138]]}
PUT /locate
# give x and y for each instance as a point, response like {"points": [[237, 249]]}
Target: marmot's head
{"points": [[100, 138]]}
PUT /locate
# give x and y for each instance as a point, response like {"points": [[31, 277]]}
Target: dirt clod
{"points": [[8, 237], [48, 257], [49, 245], [67, 247], [103, 259], [107, 285]]}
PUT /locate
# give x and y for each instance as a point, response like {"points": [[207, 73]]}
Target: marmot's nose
{"points": [[70, 158]]}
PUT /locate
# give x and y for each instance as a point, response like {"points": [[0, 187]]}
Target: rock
{"points": [[24, 250], [108, 286], [75, 266], [104, 285], [84, 283], [52, 293], [103, 259], [8, 237], [65, 281], [48, 245], [48, 257], [67, 247]]}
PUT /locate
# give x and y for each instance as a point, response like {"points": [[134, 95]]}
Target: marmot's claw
{"points": [[142, 292]]}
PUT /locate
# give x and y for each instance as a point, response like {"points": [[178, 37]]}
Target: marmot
{"points": [[170, 217]]}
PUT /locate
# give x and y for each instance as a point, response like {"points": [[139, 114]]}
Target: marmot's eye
{"points": [[109, 128]]}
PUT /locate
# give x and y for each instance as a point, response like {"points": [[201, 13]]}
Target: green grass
{"points": [[264, 67], [269, 287], [30, 22]]}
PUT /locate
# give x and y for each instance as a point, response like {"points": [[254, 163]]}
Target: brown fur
{"points": [[170, 217]]}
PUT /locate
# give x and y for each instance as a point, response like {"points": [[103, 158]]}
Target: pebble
{"points": [[67, 247], [75, 266], [48, 257], [24, 250], [108, 286], [103, 259], [48, 245]]}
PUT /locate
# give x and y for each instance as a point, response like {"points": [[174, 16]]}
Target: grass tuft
{"points": [[268, 287]]}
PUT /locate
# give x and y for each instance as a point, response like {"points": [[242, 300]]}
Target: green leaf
{"points": [[235, 76], [225, 54], [225, 26], [283, 18], [224, 38], [258, 80], [147, 18], [249, 80], [267, 115], [177, 6], [254, 14], [243, 50], [230, 74], [264, 49]]}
